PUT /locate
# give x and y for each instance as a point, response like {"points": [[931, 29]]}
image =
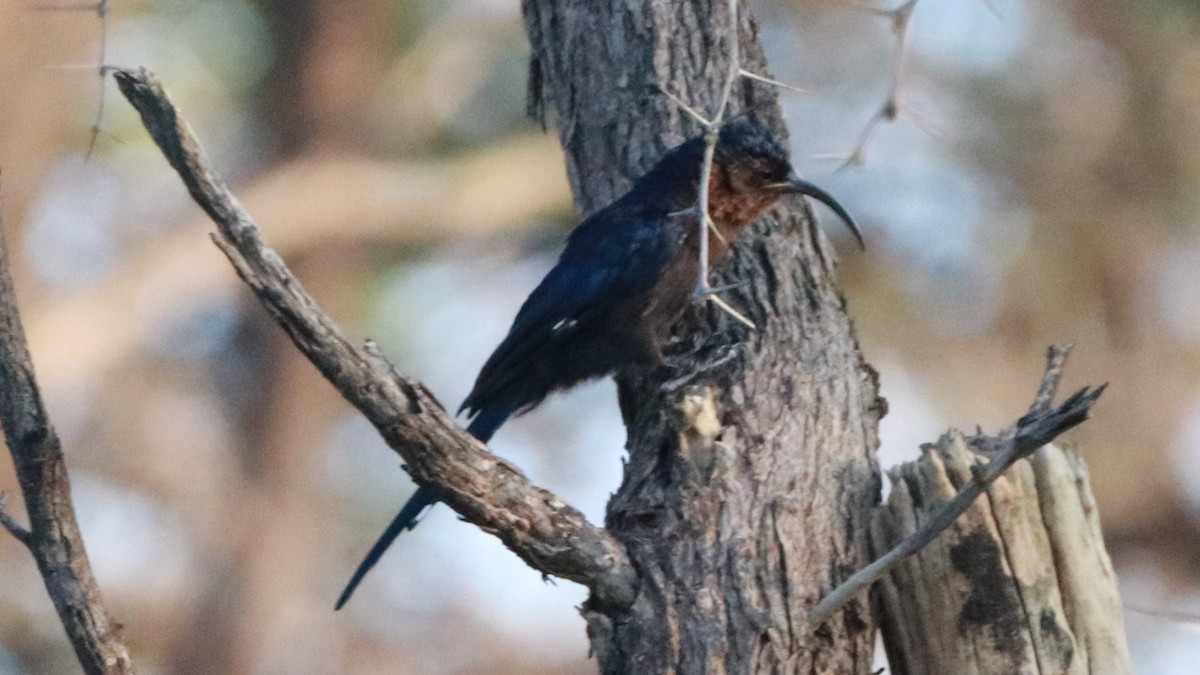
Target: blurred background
{"points": [[1038, 187]]}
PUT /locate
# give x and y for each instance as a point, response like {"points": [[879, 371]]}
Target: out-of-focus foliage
{"points": [[226, 492]]}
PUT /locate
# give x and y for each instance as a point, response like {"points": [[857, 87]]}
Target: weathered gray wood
{"points": [[1020, 584], [1041, 425], [741, 518], [53, 536], [1085, 574]]}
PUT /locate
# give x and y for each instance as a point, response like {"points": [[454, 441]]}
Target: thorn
{"points": [[104, 69], [991, 7], [1186, 618], [686, 108], [893, 107], [921, 122], [858, 155], [901, 16], [754, 76], [97, 7], [713, 228], [92, 140], [729, 287], [830, 156], [110, 135], [864, 7], [716, 300], [856, 159]]}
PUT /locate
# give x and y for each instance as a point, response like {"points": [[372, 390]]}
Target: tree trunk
{"points": [[747, 495], [1020, 584]]}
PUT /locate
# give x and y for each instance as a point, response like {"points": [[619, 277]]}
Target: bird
{"points": [[625, 276]]}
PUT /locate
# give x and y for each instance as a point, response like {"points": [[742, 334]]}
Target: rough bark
{"points": [[53, 536], [745, 497], [1020, 584]]}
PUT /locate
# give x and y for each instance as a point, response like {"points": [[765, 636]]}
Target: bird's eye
{"points": [[770, 174], [769, 171]]}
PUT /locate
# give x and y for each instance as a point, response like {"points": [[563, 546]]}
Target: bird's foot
{"points": [[684, 368]]}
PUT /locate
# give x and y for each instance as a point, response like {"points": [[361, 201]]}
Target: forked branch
{"points": [[487, 491]]}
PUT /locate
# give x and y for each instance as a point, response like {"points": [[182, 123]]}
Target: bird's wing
{"points": [[608, 260]]}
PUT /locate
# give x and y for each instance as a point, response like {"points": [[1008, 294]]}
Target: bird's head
{"points": [[753, 161], [751, 157]]}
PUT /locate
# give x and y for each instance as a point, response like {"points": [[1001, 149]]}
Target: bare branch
{"points": [[1056, 360], [14, 528], [98, 121], [79, 7], [893, 105], [695, 114], [53, 535], [487, 491], [1037, 428], [101, 9], [735, 62], [702, 290]]}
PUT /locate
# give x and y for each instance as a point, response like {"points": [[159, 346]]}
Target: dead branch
{"points": [[713, 129], [14, 528], [485, 490], [893, 105], [53, 535], [100, 7], [703, 291], [98, 121], [1036, 428]]}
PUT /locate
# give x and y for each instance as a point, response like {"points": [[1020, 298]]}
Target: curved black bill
{"points": [[802, 187]]}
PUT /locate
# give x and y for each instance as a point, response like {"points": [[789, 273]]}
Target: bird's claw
{"points": [[690, 366]]}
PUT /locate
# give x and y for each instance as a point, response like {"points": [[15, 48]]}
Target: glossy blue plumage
{"points": [[623, 279]]}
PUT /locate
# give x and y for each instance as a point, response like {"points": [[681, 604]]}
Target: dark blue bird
{"points": [[624, 278]]}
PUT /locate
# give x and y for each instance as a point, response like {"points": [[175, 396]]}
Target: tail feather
{"points": [[405, 520], [488, 421], [482, 427]]}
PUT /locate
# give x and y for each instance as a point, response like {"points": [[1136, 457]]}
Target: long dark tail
{"points": [[488, 421], [405, 520], [482, 427]]}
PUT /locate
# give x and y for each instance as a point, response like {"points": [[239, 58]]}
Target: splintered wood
{"points": [[1020, 584]]}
